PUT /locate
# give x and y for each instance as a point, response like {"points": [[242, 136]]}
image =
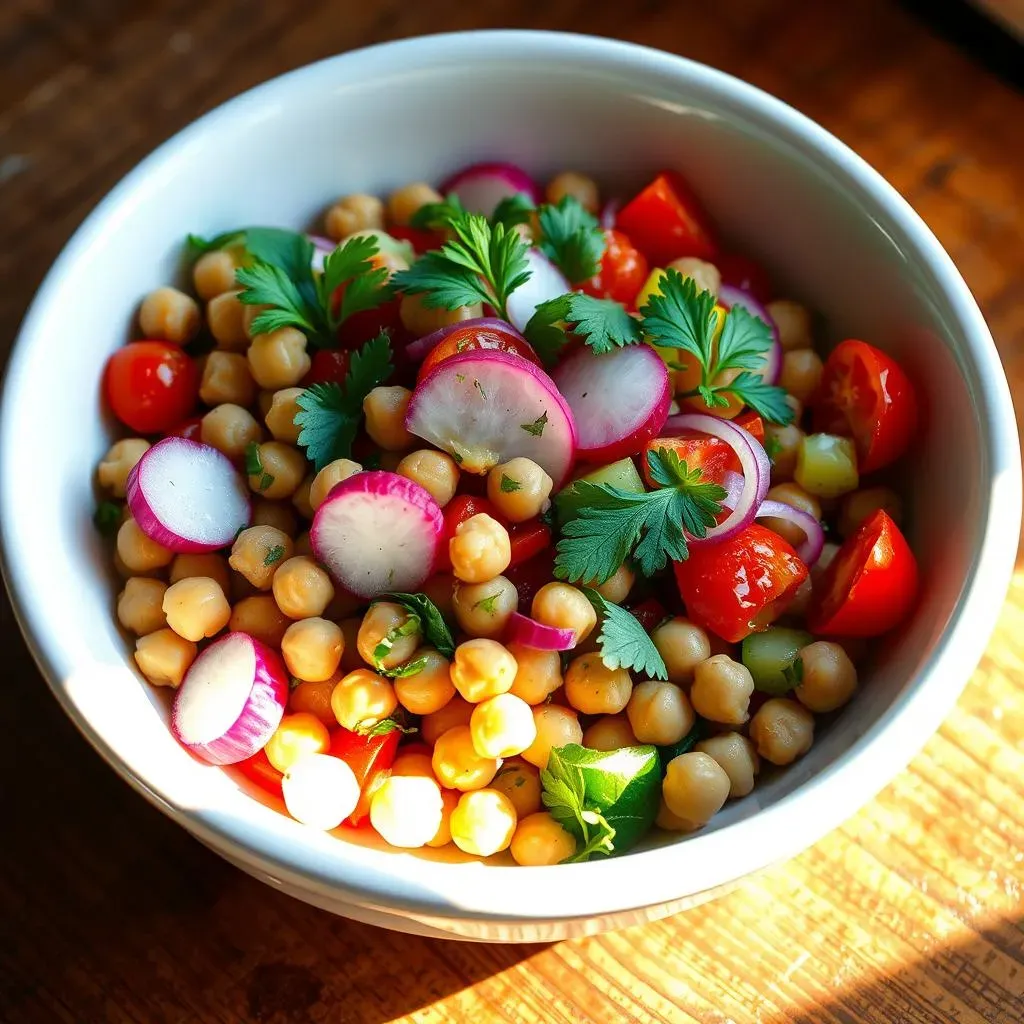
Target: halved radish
{"points": [[188, 496], [377, 532], [486, 407], [231, 700], [481, 187], [546, 281], [531, 633], [619, 400]]}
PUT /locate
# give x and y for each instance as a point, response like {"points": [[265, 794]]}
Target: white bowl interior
{"points": [[373, 121]]}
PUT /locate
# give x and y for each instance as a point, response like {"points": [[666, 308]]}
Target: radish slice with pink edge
{"points": [[485, 407], [322, 248], [480, 187], [188, 496], [730, 296], [546, 281], [231, 700], [376, 532], [529, 632], [620, 400]]}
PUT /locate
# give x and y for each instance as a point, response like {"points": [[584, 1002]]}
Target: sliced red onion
{"points": [[546, 281], [753, 461], [419, 349], [814, 536], [481, 187], [609, 212], [531, 633], [322, 248], [729, 296], [231, 700]]}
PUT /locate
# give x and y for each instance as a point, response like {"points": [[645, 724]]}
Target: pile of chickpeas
{"points": [[488, 718]]}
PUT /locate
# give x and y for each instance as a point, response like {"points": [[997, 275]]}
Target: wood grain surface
{"points": [[912, 912]]}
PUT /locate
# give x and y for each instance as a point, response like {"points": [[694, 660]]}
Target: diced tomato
{"points": [[741, 585], [649, 613], [870, 585], [666, 221], [711, 455], [495, 338], [151, 385], [370, 758], [328, 366], [741, 272], [752, 424], [190, 429], [529, 576], [622, 273], [363, 326], [864, 394], [421, 239], [258, 769], [528, 540]]}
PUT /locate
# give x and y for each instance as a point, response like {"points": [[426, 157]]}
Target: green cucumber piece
{"points": [[770, 654], [621, 474]]}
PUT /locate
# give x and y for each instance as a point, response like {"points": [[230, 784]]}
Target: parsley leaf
{"points": [[275, 554], [483, 263], [537, 426], [196, 245], [351, 265], [564, 795], [513, 210], [772, 447], [107, 518], [393, 635], [508, 485], [330, 415], [488, 603], [602, 323], [436, 216], [385, 725], [612, 523], [435, 629], [571, 238], [623, 641], [254, 467]]}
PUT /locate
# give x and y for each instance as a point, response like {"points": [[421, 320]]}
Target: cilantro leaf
{"points": [[393, 635], [571, 238], [700, 729], [679, 315], [435, 629], [107, 518], [196, 245], [263, 284], [366, 286], [385, 725], [513, 210], [767, 401], [536, 428], [623, 641], [508, 485], [602, 323], [435, 216], [275, 554], [254, 467]]}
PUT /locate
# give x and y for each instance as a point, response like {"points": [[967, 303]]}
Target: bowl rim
{"points": [[703, 861]]}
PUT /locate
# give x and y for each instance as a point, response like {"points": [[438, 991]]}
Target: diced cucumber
{"points": [[621, 474], [769, 654], [826, 465]]}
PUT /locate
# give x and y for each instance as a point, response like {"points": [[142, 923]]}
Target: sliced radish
{"points": [[619, 400], [531, 633], [486, 407], [188, 496], [546, 282], [377, 532], [322, 248], [730, 296], [481, 187], [231, 700]]}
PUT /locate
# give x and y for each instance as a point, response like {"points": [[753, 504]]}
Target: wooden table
{"points": [[912, 912]]}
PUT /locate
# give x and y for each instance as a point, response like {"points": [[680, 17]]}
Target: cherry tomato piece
{"points": [[741, 585], [622, 272], [458, 510], [189, 429], [528, 540], [649, 613], [421, 239], [529, 576], [870, 585], [467, 339], [864, 394], [370, 758], [711, 455], [328, 366], [259, 770], [744, 273], [151, 385]]}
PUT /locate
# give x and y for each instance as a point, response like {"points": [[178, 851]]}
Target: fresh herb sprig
{"points": [[623, 642], [571, 238], [603, 324], [437, 216], [423, 617]]}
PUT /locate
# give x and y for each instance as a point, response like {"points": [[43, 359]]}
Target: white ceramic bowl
{"points": [[787, 193]]}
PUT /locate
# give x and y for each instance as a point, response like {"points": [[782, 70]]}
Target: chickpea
{"points": [[564, 607], [384, 409], [435, 472], [482, 668], [404, 202], [440, 588], [456, 763], [783, 444], [225, 316], [122, 458], [520, 782], [261, 618], [484, 609], [170, 315], [659, 713], [389, 624], [538, 673], [455, 713], [315, 699], [362, 699], [721, 690], [140, 605], [139, 552], [412, 761], [278, 359], [483, 822], [801, 373], [230, 429], [579, 186], [301, 588], [430, 689], [196, 607], [793, 323], [556, 726], [502, 726], [520, 489], [829, 678], [329, 477], [164, 657], [420, 319], [480, 549], [250, 311], [301, 499], [668, 821], [859, 505], [794, 495], [610, 732], [594, 689], [281, 472], [449, 801], [352, 213], [736, 756], [683, 645], [297, 735], [705, 275], [276, 514], [695, 788], [311, 649], [782, 730], [617, 587], [214, 273], [540, 840], [257, 552], [226, 378], [407, 810], [280, 417]]}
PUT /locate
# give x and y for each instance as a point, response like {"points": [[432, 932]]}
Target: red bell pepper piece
{"points": [[649, 613], [622, 272], [259, 770], [328, 366], [666, 221], [370, 758]]}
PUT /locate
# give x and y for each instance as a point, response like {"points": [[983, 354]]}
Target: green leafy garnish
{"points": [[612, 524], [793, 673], [196, 245], [275, 554], [602, 323], [107, 518], [330, 414], [772, 447], [384, 726], [435, 630], [254, 467], [508, 485], [537, 426], [437, 216], [488, 603], [624, 643], [483, 263], [700, 729], [513, 210], [410, 627], [683, 317], [571, 238]]}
